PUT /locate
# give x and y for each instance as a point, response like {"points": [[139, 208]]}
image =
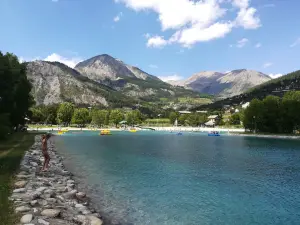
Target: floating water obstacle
{"points": [[105, 132], [62, 131], [133, 130]]}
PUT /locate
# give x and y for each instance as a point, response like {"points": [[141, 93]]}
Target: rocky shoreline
{"points": [[49, 198]]}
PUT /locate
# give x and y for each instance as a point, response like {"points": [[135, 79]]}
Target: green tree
{"points": [[65, 113], [80, 116], [116, 116], [253, 116], [173, 116], [50, 113], [37, 115], [134, 117], [235, 119], [271, 113], [99, 117], [290, 111], [15, 98], [183, 119], [5, 126]]}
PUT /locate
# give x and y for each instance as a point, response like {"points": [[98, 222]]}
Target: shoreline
{"points": [[52, 197], [189, 129], [278, 136]]}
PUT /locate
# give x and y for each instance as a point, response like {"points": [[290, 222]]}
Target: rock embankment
{"points": [[49, 198]]}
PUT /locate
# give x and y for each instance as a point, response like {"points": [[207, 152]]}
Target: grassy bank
{"points": [[11, 153]]}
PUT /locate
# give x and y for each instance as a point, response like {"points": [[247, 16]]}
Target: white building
{"points": [[244, 106]]}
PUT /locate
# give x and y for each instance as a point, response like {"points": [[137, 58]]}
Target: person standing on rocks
{"points": [[45, 152]]}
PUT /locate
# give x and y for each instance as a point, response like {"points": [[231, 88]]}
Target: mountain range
{"points": [[101, 80], [107, 81], [277, 87], [223, 84]]}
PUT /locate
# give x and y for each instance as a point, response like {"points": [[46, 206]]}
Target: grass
{"points": [[195, 100], [11, 153]]}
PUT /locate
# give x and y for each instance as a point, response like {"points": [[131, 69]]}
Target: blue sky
{"points": [[169, 38]]}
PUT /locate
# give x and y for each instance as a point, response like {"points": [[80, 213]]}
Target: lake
{"points": [[160, 178]]}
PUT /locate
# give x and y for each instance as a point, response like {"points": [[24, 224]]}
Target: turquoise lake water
{"points": [[157, 178]]}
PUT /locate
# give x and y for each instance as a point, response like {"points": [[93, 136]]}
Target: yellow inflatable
{"points": [[132, 130], [105, 132]]}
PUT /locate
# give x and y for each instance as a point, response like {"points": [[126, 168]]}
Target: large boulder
{"points": [[20, 184], [50, 213], [26, 218]]}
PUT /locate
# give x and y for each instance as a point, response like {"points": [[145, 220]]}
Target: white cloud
{"points": [[190, 36], [71, 62], [118, 17], [24, 59], [156, 42], [258, 45], [241, 43], [274, 76], [268, 64], [297, 42], [195, 21], [246, 18], [241, 3], [174, 77], [153, 66]]}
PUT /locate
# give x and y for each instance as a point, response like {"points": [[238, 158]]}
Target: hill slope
{"points": [[224, 85], [129, 80], [277, 87], [101, 80], [55, 82]]}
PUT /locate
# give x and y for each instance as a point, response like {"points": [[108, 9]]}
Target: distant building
{"points": [[244, 106], [201, 111], [185, 112], [212, 120]]}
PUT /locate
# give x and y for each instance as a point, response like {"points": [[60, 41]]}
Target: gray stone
{"points": [[34, 164], [50, 212], [19, 190], [35, 195], [22, 176], [80, 195], [59, 197], [79, 206], [20, 184], [94, 220], [22, 209], [86, 212], [33, 203], [36, 211], [70, 194], [41, 189], [26, 218], [51, 200], [80, 218], [43, 222]]}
